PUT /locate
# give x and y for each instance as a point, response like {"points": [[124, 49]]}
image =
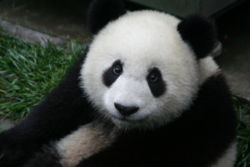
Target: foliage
{"points": [[28, 72]]}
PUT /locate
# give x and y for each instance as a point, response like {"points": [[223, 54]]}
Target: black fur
{"points": [[62, 111], [111, 74], [47, 158], [156, 83], [195, 139], [200, 33], [103, 11]]}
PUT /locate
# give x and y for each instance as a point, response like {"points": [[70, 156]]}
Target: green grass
{"points": [[28, 72], [243, 111]]}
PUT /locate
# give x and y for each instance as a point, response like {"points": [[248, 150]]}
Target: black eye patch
{"points": [[112, 73], [155, 82]]}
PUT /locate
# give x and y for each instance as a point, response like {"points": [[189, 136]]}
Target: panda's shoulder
{"points": [[215, 86], [67, 96], [68, 88]]}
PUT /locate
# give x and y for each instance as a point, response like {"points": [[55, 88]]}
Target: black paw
{"points": [[48, 157], [13, 153]]}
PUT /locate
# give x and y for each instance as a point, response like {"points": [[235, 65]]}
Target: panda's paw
{"points": [[14, 154], [11, 157], [46, 158]]}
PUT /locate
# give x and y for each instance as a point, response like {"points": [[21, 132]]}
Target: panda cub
{"points": [[146, 93]]}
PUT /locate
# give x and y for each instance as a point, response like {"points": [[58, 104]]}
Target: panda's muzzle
{"points": [[126, 110]]}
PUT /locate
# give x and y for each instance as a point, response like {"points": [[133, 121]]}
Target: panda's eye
{"points": [[155, 82], [154, 76], [112, 73], [117, 68]]}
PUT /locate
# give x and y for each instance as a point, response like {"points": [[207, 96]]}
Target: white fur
{"points": [[142, 40], [208, 68], [228, 159], [82, 143]]}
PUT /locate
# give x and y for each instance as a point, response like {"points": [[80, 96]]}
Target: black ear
{"points": [[101, 12], [199, 33]]}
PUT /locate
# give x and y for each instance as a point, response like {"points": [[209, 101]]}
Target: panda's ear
{"points": [[199, 33], [101, 12]]}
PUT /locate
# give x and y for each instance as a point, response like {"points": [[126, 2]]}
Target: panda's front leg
{"points": [[81, 144], [48, 157], [62, 111]]}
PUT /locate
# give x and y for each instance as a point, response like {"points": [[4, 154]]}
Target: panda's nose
{"points": [[126, 110]]}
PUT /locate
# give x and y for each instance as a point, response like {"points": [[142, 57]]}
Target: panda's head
{"points": [[142, 68]]}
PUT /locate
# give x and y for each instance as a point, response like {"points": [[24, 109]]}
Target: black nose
{"points": [[126, 110]]}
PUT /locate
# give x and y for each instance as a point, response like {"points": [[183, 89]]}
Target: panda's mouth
{"points": [[126, 119]]}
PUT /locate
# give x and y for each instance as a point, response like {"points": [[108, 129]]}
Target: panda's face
{"points": [[139, 72]]}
